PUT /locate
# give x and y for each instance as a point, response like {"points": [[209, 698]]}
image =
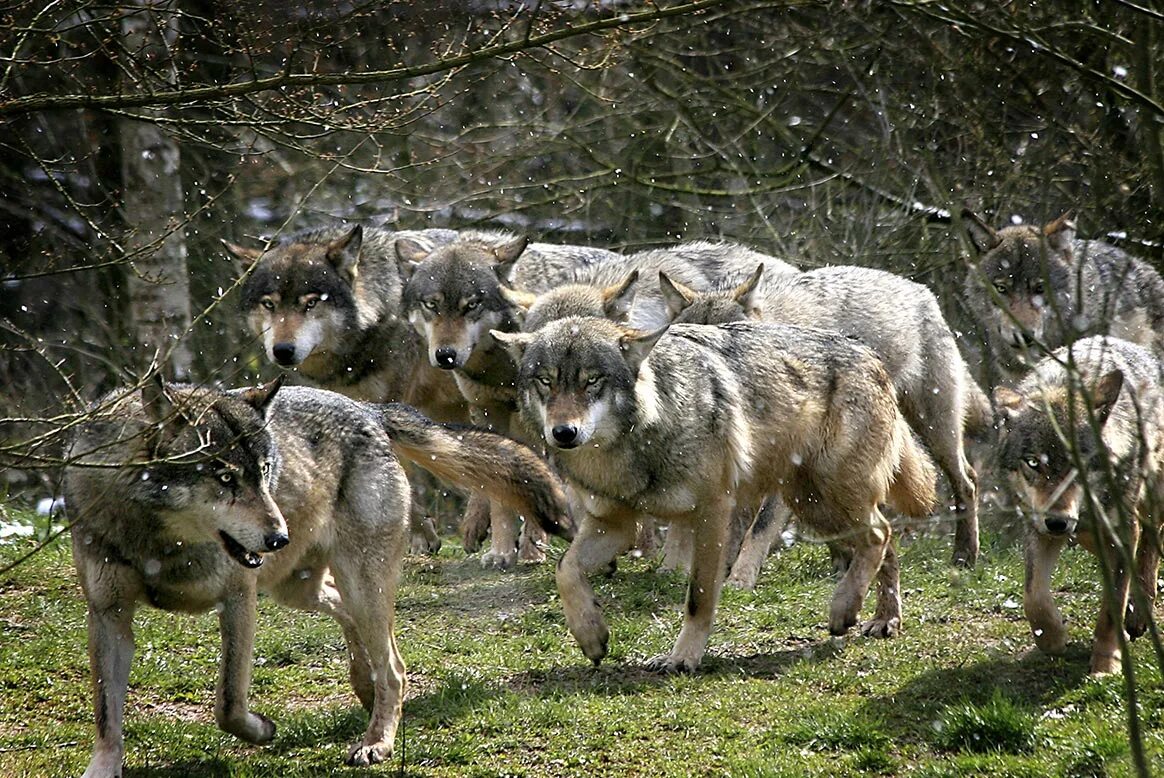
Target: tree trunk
{"points": [[159, 284]]}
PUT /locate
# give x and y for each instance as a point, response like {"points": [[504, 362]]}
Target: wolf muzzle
{"points": [[284, 354]]}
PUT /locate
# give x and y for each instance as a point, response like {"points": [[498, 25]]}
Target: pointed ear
{"points": [[618, 299], [158, 406], [745, 294], [636, 346], [519, 299], [260, 396], [1061, 234], [409, 254], [244, 258], [344, 253], [507, 254], [513, 342], [677, 296], [1107, 391], [1008, 401], [982, 235]]}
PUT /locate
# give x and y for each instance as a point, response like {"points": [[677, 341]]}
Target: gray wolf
{"points": [[630, 417], [191, 498], [1083, 444], [1033, 289], [902, 323], [453, 296], [327, 303]]}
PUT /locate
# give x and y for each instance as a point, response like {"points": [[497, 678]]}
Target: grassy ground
{"points": [[497, 686]]}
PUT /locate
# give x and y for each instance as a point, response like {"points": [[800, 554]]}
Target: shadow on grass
{"points": [[1031, 681], [210, 768]]}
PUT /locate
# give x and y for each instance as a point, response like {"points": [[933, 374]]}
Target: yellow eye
{"points": [[311, 303], [226, 477], [1000, 288], [1032, 462], [544, 380], [269, 304], [430, 304]]}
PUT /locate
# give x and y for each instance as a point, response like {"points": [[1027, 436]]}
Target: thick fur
{"points": [[190, 499], [1104, 489], [453, 297], [1033, 289], [631, 416], [903, 323]]}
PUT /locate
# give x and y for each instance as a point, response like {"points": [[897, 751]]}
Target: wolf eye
{"points": [[543, 380], [1000, 288], [311, 303], [430, 304], [472, 305], [1037, 288], [268, 304], [226, 478], [1032, 462], [594, 380]]}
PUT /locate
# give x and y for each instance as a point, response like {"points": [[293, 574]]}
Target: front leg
{"points": [[110, 655], [598, 542], [1139, 613], [1041, 553], [236, 623], [709, 533], [1105, 652]]}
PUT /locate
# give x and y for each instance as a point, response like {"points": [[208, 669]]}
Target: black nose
{"points": [[565, 434], [276, 540], [1056, 525], [284, 353], [446, 357]]}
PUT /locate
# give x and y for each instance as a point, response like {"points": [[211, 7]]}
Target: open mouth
{"points": [[249, 559]]}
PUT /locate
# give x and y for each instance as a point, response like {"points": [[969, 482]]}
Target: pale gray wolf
{"points": [[1033, 289], [453, 297], [326, 303], [1083, 443], [631, 416], [901, 321], [623, 289], [191, 498]]}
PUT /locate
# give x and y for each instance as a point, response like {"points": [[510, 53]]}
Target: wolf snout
{"points": [[446, 357], [565, 435], [1057, 524], [276, 540], [284, 353]]}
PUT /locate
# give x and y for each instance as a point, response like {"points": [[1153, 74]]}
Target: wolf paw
{"points": [[104, 765], [1135, 623], [496, 560], [419, 545], [593, 636], [1105, 663], [531, 554], [743, 579], [669, 665], [361, 755], [964, 558], [253, 728], [1050, 640], [881, 628]]}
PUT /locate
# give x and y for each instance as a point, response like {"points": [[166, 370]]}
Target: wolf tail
{"points": [[979, 419], [472, 458], [912, 490]]}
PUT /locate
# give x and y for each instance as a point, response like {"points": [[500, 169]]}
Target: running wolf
{"points": [[1083, 443], [903, 324], [192, 498], [1035, 289], [327, 302], [630, 416]]}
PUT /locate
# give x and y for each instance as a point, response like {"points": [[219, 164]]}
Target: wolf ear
{"points": [[618, 299], [260, 396], [244, 258], [1008, 401], [1061, 234], [677, 296], [409, 254], [745, 294], [636, 346], [518, 298], [507, 254], [513, 342], [344, 253], [1107, 391], [158, 406], [982, 235]]}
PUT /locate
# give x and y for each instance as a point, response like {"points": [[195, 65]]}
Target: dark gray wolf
{"points": [[453, 297], [190, 499], [903, 324], [1083, 443], [631, 417], [1033, 289], [327, 303]]}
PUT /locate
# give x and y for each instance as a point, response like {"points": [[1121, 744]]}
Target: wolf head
{"points": [[611, 302], [1049, 445], [209, 465], [576, 379], [299, 298], [453, 294], [686, 305], [1027, 272]]}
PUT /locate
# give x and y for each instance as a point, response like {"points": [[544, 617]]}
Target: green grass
{"points": [[497, 686]]}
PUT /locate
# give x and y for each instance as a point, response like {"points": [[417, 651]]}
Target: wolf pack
{"points": [[704, 393]]}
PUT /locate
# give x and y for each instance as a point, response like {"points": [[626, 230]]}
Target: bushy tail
{"points": [[912, 490], [979, 420], [472, 458]]}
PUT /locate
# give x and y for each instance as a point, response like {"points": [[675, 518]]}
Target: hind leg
{"points": [[502, 553], [770, 522], [532, 543], [869, 546], [886, 621], [475, 523], [677, 548], [1139, 613]]}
